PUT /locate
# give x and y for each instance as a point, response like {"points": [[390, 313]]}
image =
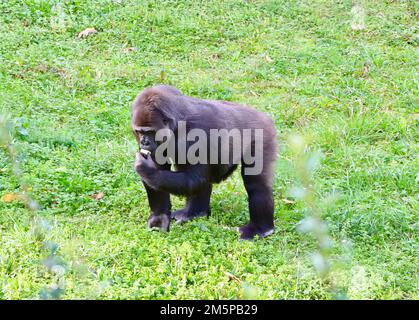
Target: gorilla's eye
{"points": [[142, 131]]}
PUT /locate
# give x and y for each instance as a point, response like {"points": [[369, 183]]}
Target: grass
{"points": [[352, 93]]}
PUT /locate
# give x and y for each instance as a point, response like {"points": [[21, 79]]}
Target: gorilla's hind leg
{"points": [[261, 206], [196, 206]]}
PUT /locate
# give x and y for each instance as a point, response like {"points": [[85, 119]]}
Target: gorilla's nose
{"points": [[145, 143]]}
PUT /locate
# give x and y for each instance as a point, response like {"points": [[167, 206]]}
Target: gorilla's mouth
{"points": [[145, 152]]}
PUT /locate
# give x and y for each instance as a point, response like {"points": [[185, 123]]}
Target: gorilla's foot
{"points": [[250, 230], [161, 222], [184, 215]]}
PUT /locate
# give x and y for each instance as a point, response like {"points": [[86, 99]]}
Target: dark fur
{"points": [[164, 106]]}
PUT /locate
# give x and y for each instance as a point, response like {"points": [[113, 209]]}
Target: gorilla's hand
{"points": [[144, 166]]}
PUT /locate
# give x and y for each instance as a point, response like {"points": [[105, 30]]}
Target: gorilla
{"points": [[164, 107]]}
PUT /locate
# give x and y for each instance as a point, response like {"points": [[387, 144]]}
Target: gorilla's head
{"points": [[151, 112]]}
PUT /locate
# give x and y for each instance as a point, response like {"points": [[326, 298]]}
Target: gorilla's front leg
{"points": [[196, 206], [160, 206], [159, 201]]}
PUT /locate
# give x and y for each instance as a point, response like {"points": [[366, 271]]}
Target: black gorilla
{"points": [[164, 107]]}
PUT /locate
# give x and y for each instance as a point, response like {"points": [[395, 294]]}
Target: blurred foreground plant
{"points": [[40, 228], [305, 162]]}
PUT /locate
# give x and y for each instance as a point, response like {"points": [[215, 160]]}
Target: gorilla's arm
{"points": [[183, 182], [188, 182]]}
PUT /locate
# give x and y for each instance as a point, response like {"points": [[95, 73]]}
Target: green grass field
{"points": [[344, 78]]}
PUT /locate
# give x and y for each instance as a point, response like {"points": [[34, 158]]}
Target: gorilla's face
{"points": [[145, 122], [146, 139]]}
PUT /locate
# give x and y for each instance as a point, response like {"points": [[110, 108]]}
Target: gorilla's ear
{"points": [[169, 122], [169, 110]]}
